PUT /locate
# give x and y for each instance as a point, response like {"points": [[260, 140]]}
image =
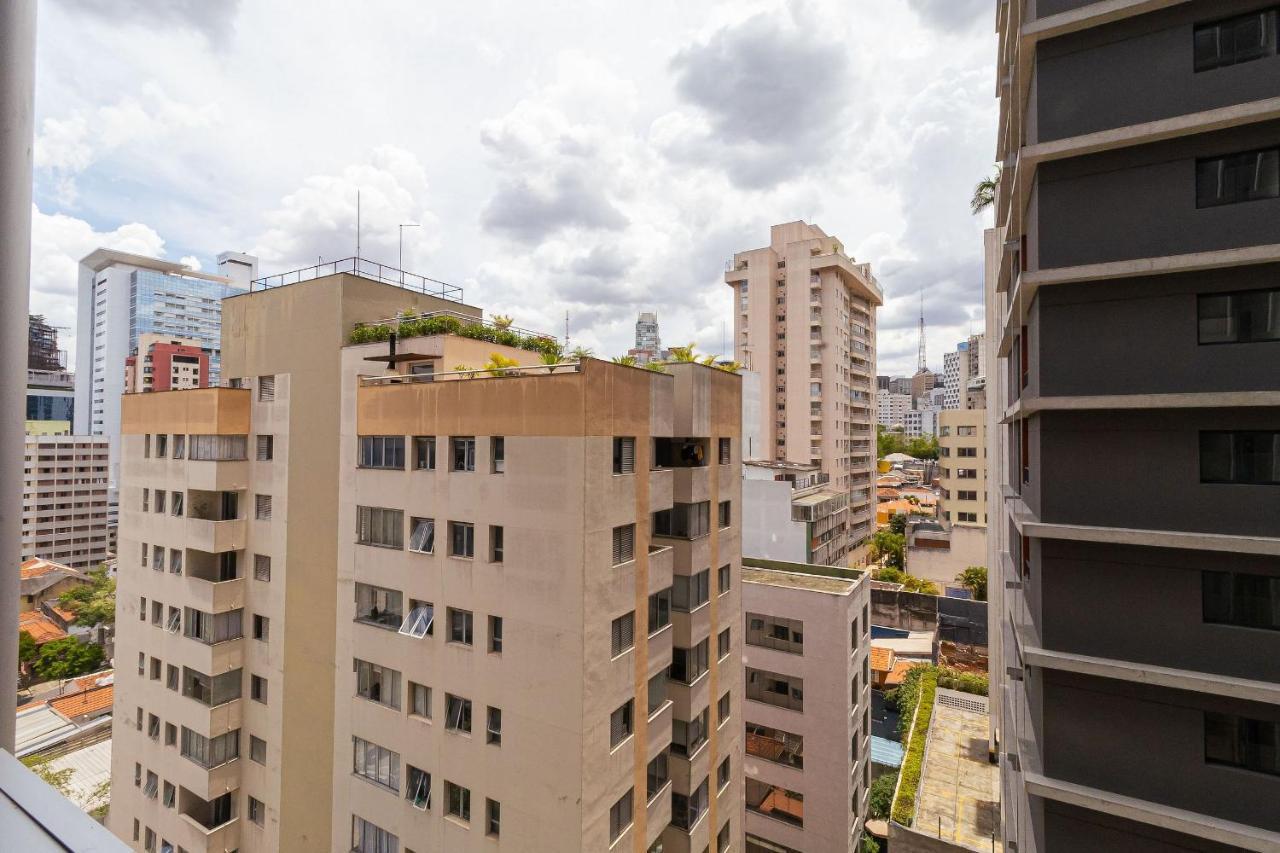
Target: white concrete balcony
{"points": [[216, 596], [194, 836], [216, 537]]}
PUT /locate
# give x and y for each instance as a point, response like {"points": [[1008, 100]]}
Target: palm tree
{"points": [[656, 367], [730, 366], [501, 321], [984, 194], [708, 360], [579, 353], [624, 360], [683, 355], [499, 364]]}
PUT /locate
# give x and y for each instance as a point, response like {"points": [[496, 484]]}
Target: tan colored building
{"points": [[962, 466], [808, 680], [804, 320], [453, 597], [43, 580], [165, 363], [64, 500]]}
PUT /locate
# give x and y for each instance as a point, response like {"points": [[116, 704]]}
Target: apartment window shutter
{"points": [[265, 448], [266, 388], [263, 507]]}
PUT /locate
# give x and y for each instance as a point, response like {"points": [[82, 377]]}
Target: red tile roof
{"points": [[899, 672], [41, 628], [36, 567], [84, 702], [881, 659]]}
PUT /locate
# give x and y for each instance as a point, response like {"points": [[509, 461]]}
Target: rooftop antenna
{"points": [[566, 329], [922, 367], [357, 224]]}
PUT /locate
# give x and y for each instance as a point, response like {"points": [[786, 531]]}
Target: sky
{"points": [[590, 157]]}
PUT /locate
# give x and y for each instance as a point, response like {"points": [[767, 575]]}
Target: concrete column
{"points": [[17, 96]]}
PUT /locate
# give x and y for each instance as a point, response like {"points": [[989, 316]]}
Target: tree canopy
{"points": [[974, 579], [93, 603], [888, 547], [921, 447], [67, 658]]}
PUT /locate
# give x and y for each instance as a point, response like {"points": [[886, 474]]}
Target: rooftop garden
{"points": [[408, 325]]}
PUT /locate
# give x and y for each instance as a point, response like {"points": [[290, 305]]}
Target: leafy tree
{"points": [[881, 800], [100, 800], [923, 447], [974, 579], [67, 658], [59, 780], [868, 844], [888, 547], [682, 355], [579, 353], [984, 194], [910, 583], [499, 364], [625, 360], [887, 442], [27, 648], [93, 603], [898, 523]]}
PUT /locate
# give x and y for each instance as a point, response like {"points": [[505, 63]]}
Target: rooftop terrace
{"points": [[363, 268], [828, 579]]}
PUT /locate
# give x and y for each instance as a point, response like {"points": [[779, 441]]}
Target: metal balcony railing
{"points": [[365, 269]]}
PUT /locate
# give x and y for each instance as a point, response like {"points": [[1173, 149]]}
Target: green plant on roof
{"points": [[499, 364]]}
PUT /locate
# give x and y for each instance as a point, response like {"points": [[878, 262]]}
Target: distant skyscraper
{"points": [[50, 393], [964, 375], [42, 345], [648, 343]]}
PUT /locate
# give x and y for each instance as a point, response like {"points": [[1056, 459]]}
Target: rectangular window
{"points": [[725, 451], [457, 713], [657, 775], [775, 745], [620, 816], [211, 691], [382, 451], [171, 678], [775, 801], [1234, 40], [266, 389], [688, 665], [418, 791], [419, 700], [724, 516], [497, 454], [1242, 742], [378, 605], [457, 801], [460, 626], [213, 628], [623, 633], [380, 527], [266, 448], [723, 577], [462, 539], [261, 567], [210, 752], [722, 774], [492, 818], [370, 838], [624, 456], [261, 627], [257, 750], [621, 724], [170, 734], [257, 811], [624, 544], [723, 709], [160, 496], [724, 643], [218, 448], [424, 453], [495, 634], [657, 692], [659, 610], [1242, 317], [689, 592], [683, 521], [177, 508], [422, 536], [687, 737], [1241, 457], [376, 763], [1239, 598], [462, 453], [420, 621], [377, 683], [495, 543], [262, 507], [783, 691], [162, 446], [686, 811], [1236, 178], [493, 726]]}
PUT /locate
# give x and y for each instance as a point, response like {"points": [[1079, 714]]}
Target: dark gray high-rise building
{"points": [[1134, 305]]}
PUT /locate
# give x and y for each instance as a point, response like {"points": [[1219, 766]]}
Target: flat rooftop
{"points": [[958, 800], [833, 580], [816, 497]]}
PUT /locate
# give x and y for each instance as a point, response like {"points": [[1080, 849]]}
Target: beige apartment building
{"points": [[808, 702], [804, 320], [64, 500], [322, 671], [962, 466]]}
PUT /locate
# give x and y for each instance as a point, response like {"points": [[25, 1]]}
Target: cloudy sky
{"points": [[600, 158]]}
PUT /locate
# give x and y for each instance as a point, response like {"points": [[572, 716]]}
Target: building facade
{"points": [[962, 464], [792, 513], [162, 363], [964, 375], [804, 319], [891, 409], [64, 500], [1133, 284], [808, 702], [648, 343]]}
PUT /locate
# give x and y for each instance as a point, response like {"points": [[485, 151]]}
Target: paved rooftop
{"points": [[796, 580], [958, 797]]}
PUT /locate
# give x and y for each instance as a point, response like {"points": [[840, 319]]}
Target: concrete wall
{"points": [[1070, 827], [942, 565], [767, 529]]}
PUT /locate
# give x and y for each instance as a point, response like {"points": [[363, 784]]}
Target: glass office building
{"points": [[180, 307]]}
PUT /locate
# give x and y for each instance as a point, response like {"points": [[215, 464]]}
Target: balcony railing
{"points": [[364, 269]]}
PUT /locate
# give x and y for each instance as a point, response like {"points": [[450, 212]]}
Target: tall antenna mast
{"points": [[357, 223], [922, 366], [566, 329]]}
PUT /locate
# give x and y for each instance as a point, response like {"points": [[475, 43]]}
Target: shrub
{"points": [[904, 806], [965, 682], [880, 800]]}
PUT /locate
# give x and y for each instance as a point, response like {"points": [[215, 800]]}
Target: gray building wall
{"points": [[1090, 830]]}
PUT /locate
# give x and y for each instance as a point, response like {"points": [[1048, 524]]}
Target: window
{"points": [[624, 456], [724, 517], [725, 452], [257, 811], [424, 453], [1239, 598], [419, 700], [971, 517], [261, 627], [722, 838], [620, 817], [162, 446], [688, 665], [266, 448], [775, 801], [966, 495], [657, 693], [160, 496], [153, 783], [722, 774], [493, 726], [157, 558], [623, 633], [784, 691], [418, 791], [659, 610], [624, 544], [175, 554], [457, 713], [153, 724], [462, 539], [212, 628], [497, 454], [462, 453], [495, 543], [217, 448], [687, 737], [1241, 317], [382, 451], [457, 801], [683, 521], [492, 817], [422, 537], [377, 605], [967, 452], [420, 621], [460, 626], [177, 509], [257, 749], [724, 707], [266, 389], [775, 745], [262, 507], [495, 634], [380, 527], [1236, 178], [369, 838], [621, 724], [1239, 39], [657, 775], [724, 644], [723, 576], [210, 752], [377, 683], [1241, 457], [689, 592], [171, 677], [1242, 742], [376, 763], [686, 811], [261, 567], [258, 688]]}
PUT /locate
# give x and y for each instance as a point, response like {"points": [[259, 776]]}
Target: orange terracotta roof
{"points": [[899, 672], [87, 682], [84, 702], [36, 567], [67, 615], [881, 659], [41, 628]]}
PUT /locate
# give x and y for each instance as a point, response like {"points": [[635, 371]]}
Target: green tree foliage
{"points": [[868, 844], [910, 583], [67, 658], [898, 523], [889, 547], [93, 603], [881, 800], [921, 447], [974, 579], [27, 648], [59, 780], [984, 194]]}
